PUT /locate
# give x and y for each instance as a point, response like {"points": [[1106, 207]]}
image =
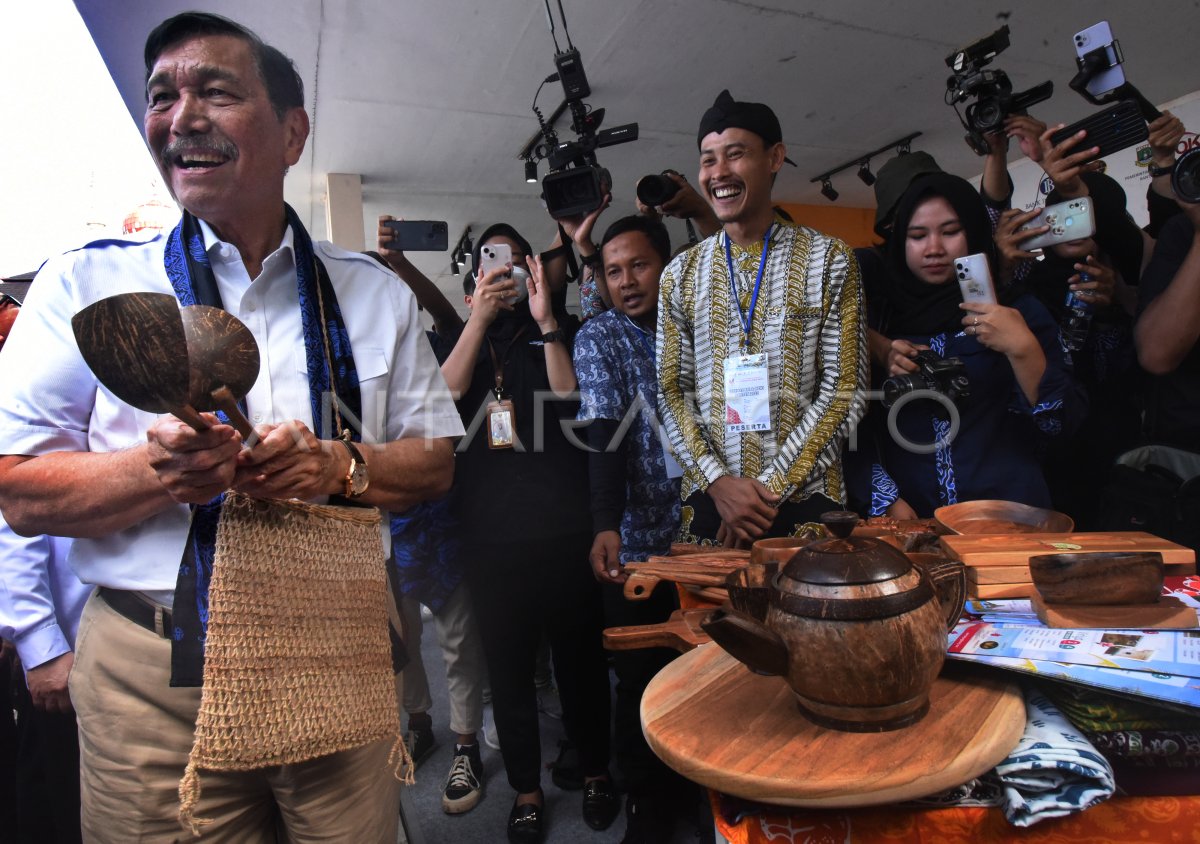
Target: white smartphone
{"points": [[975, 279], [1095, 38], [1070, 220], [497, 255]]}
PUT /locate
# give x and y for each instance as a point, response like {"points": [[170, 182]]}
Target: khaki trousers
{"points": [[135, 732]]}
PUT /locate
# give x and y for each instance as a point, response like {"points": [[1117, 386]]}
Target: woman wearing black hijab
{"points": [[928, 452]]}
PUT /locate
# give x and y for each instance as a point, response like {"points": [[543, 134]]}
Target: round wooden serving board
{"points": [[717, 723]]}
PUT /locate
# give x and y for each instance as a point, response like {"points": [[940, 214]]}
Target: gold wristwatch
{"points": [[357, 478]]}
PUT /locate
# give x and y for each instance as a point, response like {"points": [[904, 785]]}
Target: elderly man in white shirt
{"points": [[225, 119]]}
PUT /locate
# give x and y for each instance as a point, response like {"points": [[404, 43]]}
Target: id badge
{"points": [[502, 424], [747, 393]]}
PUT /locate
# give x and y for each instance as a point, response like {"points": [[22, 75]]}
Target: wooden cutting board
{"points": [[715, 722], [1016, 549]]}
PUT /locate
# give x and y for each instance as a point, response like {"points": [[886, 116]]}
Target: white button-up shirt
{"points": [[50, 400]]}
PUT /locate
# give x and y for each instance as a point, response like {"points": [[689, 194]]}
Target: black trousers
{"points": [[519, 591], [701, 519], [47, 773], [641, 770]]}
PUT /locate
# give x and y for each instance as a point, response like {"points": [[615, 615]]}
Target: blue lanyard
{"points": [[643, 335], [747, 320]]}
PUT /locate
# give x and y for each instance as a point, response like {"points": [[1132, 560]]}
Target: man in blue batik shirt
{"points": [[634, 492]]}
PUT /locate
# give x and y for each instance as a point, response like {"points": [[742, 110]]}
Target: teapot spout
{"points": [[747, 641]]}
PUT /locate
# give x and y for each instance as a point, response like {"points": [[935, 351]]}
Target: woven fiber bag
{"points": [[298, 658]]}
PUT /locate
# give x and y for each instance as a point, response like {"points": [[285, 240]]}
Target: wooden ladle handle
{"points": [[189, 415], [223, 396]]}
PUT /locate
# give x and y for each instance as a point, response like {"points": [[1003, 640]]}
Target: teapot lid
{"points": [[845, 560]]}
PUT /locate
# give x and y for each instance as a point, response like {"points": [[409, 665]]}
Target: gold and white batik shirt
{"points": [[808, 319]]}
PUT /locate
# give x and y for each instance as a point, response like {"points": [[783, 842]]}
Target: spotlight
{"points": [[864, 173], [453, 266], [467, 246], [827, 190], [904, 148], [531, 171]]}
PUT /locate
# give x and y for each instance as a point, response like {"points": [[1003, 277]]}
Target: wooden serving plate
{"points": [[988, 517], [715, 722]]}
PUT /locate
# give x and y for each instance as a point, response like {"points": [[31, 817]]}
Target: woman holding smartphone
{"points": [[971, 387]]}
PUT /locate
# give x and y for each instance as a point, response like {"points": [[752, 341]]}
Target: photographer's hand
{"points": [[1064, 166], [383, 238], [1009, 238], [1165, 134], [900, 357], [579, 229], [1028, 132], [493, 293], [687, 204], [1099, 290], [1004, 330]]}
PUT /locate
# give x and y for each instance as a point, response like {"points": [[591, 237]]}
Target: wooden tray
{"points": [[1016, 549], [717, 723]]}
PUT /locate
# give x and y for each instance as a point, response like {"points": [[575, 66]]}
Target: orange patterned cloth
{"points": [[1162, 820]]}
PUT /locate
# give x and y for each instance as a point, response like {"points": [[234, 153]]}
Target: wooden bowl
{"points": [[989, 517], [1098, 578]]}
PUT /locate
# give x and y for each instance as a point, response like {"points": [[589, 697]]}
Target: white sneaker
{"points": [[490, 737]]}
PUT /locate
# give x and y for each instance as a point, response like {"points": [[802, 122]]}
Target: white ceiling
{"points": [[430, 101]]}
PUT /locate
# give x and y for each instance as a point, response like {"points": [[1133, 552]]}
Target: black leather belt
{"points": [[139, 610]]}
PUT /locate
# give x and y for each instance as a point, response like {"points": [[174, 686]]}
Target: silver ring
{"points": [[976, 322]]}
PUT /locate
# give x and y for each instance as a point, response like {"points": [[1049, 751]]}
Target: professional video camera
{"points": [[993, 91], [946, 376], [576, 183]]}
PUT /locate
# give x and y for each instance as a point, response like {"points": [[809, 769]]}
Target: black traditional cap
{"points": [[728, 113]]}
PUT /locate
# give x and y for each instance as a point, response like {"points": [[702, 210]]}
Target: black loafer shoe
{"points": [[601, 805], [525, 824]]}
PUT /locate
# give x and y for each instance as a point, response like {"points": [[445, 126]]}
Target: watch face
{"points": [[358, 479]]}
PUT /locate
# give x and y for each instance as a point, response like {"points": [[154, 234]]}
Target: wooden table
{"points": [[717, 723]]}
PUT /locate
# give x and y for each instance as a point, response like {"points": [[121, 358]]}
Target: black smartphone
{"points": [[418, 235], [1113, 128]]}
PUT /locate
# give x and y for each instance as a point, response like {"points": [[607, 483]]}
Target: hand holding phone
{"points": [[493, 256], [975, 279], [418, 235], [1070, 220]]}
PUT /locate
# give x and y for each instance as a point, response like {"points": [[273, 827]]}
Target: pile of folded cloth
{"points": [[1153, 750]]}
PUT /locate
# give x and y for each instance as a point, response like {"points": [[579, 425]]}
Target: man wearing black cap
{"points": [[762, 363]]}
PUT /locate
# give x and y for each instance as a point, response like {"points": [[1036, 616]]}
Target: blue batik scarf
{"points": [[192, 278]]}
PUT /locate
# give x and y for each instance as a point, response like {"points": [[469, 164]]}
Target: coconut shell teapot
{"points": [[854, 626]]}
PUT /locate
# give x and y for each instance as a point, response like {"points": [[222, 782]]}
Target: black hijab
{"points": [[914, 306]]}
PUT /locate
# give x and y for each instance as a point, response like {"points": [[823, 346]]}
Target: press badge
{"points": [[747, 394], [501, 424]]}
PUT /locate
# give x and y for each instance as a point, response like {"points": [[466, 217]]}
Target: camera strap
{"points": [[747, 319]]}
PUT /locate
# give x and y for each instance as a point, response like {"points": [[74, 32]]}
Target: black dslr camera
{"points": [[992, 89], [945, 376]]}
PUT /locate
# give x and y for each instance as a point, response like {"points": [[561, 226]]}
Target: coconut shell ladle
{"points": [[143, 349], [223, 362]]}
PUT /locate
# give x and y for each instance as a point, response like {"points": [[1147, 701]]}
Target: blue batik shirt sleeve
{"points": [[1061, 399], [597, 369]]}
